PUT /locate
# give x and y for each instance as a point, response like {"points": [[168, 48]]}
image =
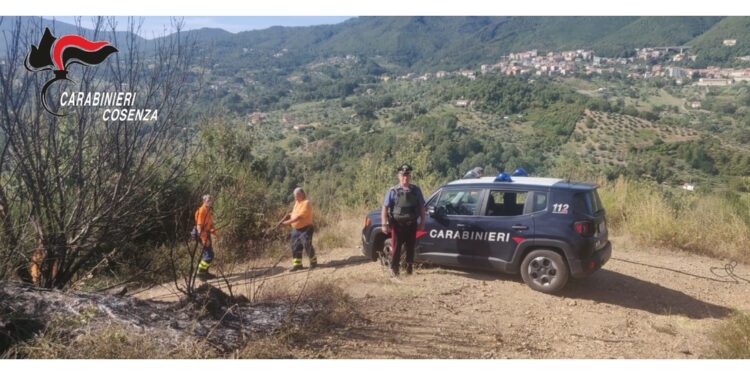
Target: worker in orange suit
{"points": [[301, 220], [204, 225]]}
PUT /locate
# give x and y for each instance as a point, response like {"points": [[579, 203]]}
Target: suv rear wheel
{"points": [[544, 271]]}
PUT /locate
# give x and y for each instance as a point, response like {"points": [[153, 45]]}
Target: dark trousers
{"points": [[402, 238], [302, 239], [207, 256]]}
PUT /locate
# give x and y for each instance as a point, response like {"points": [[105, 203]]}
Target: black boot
{"points": [[393, 272], [205, 275], [409, 269]]}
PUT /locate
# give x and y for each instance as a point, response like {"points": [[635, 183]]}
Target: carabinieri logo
{"points": [[57, 54]]}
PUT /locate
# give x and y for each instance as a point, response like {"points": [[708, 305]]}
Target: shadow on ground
{"points": [[606, 286], [615, 288], [476, 274], [351, 261], [264, 273], [253, 273]]}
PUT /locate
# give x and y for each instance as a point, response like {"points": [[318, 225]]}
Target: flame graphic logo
{"points": [[58, 54]]}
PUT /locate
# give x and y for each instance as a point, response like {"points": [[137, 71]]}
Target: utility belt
{"points": [[403, 223]]}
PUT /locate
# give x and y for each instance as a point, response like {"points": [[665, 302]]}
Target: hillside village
{"points": [[646, 63], [650, 62]]}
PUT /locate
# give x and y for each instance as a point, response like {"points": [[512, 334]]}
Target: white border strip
{"points": [[378, 8]]}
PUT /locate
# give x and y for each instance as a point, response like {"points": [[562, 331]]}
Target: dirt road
{"points": [[645, 303]]}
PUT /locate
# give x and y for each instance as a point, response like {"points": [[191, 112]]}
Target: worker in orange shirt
{"points": [[301, 220], [204, 224]]}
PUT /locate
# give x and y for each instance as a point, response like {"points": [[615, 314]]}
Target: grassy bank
{"points": [[732, 338], [713, 224]]}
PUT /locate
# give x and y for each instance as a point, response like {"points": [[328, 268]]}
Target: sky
{"points": [[154, 26]]}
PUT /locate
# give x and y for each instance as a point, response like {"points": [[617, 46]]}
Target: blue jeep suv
{"points": [[546, 229]]}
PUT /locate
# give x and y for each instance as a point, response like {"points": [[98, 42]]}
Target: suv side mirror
{"points": [[436, 212]]}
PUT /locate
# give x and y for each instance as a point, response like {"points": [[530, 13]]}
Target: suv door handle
{"points": [[520, 227], [461, 225]]}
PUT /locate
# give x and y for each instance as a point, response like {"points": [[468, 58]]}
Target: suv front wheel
{"points": [[544, 271], [385, 256]]}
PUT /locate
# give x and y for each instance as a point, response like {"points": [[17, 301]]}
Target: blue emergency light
{"points": [[520, 172], [503, 177]]}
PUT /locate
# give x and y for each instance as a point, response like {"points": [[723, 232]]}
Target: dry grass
{"points": [[732, 338], [333, 308], [339, 229], [697, 222], [74, 339]]}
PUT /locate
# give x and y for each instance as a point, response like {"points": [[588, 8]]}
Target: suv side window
{"points": [[539, 201], [460, 201], [579, 204], [587, 203], [505, 203]]}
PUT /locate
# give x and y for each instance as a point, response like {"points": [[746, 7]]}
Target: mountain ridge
{"points": [[447, 42]]}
